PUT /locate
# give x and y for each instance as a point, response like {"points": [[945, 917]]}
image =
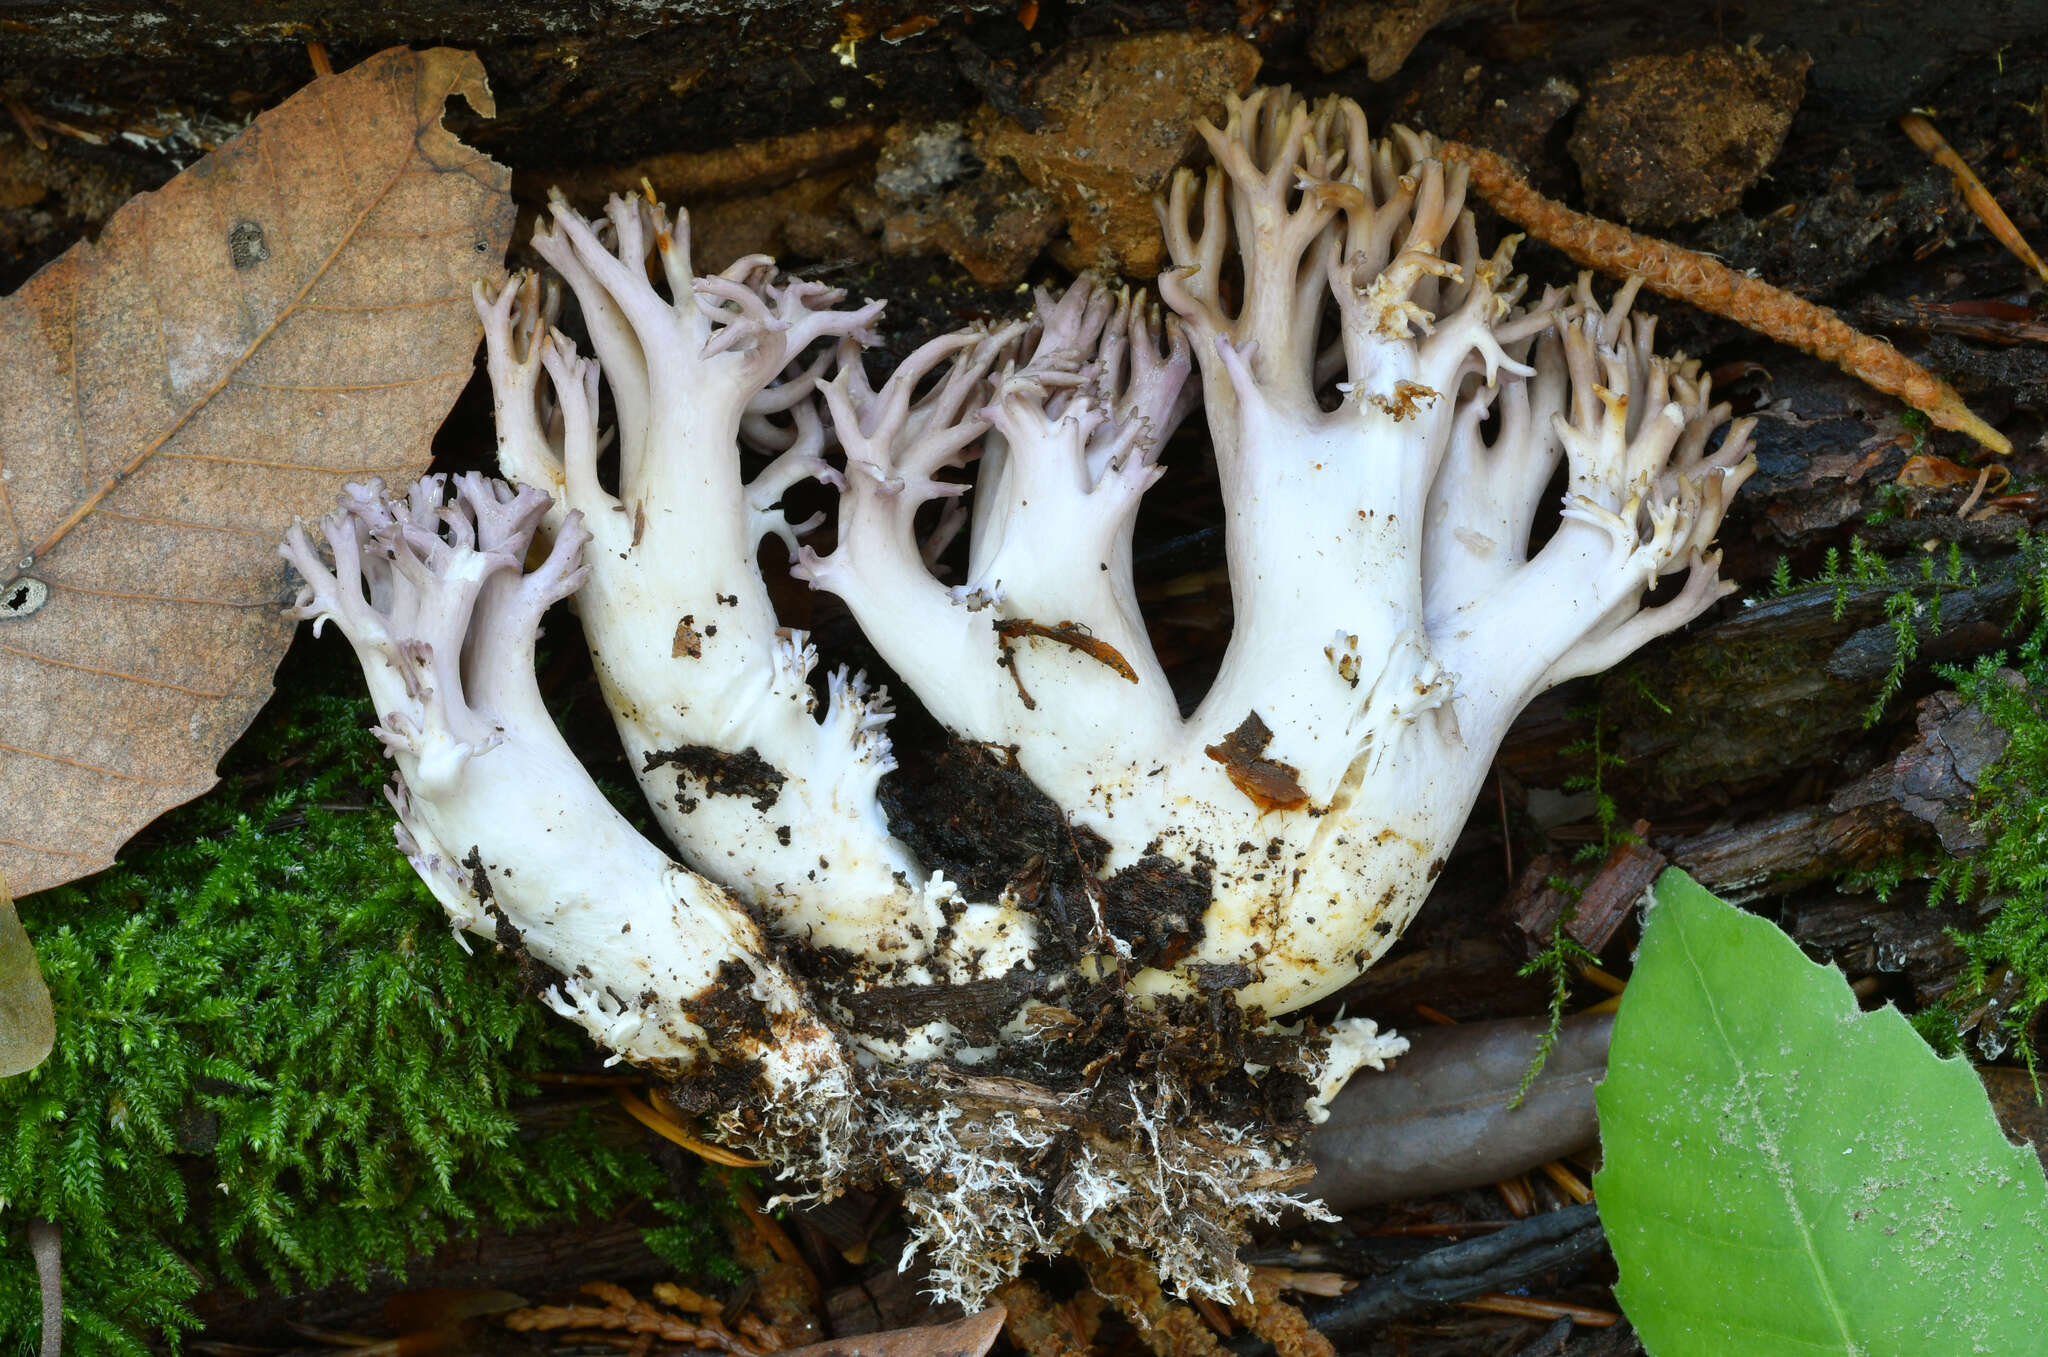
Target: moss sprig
{"points": [[274, 1062]]}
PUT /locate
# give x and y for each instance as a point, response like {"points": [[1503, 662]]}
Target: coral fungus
{"points": [[1085, 1041]]}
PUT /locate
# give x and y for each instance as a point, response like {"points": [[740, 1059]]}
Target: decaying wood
{"points": [[1546, 892], [1924, 796], [1773, 696], [290, 314]]}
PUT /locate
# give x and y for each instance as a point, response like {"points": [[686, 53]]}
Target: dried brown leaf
{"points": [[969, 1337], [1444, 1117], [289, 314]]}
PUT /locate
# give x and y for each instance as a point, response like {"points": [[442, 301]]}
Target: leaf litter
{"points": [[289, 314]]}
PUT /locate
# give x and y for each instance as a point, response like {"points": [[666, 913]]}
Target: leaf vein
{"points": [[373, 307], [354, 386], [98, 768], [196, 600], [284, 466], [55, 852], [153, 445], [121, 674], [1768, 1141]]}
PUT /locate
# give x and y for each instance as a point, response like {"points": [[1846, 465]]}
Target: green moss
{"points": [[1562, 954], [274, 1062], [1912, 608], [2008, 959]]}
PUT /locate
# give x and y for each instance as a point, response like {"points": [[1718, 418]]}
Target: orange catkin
{"points": [[1702, 281]]}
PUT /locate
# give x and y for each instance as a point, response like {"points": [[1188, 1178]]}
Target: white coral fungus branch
{"points": [[495, 812]]}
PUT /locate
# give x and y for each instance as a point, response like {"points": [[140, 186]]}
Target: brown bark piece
{"points": [[1267, 783], [1601, 905], [1673, 137], [1927, 791], [729, 171], [1384, 32], [2017, 1101], [1120, 115], [290, 314]]}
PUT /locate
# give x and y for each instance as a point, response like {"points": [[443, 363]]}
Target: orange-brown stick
{"points": [[1979, 199], [1702, 281]]}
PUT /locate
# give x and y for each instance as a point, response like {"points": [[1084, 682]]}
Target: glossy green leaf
{"points": [[1786, 1174], [27, 1027]]}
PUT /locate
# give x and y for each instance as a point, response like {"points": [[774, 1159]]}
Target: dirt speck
{"points": [[743, 774], [1270, 784]]}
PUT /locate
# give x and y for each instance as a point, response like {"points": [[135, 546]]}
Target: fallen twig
{"points": [[1705, 282], [1975, 195], [1458, 1272], [622, 1310], [1531, 1308]]}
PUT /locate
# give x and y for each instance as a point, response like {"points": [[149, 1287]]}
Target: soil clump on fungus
{"points": [[1798, 750]]}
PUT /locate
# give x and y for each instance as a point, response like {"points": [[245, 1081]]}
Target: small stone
{"points": [[1384, 32], [1670, 139], [994, 227], [917, 162], [1119, 116]]}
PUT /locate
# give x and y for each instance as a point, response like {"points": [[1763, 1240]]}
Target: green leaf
{"points": [[1786, 1174]]}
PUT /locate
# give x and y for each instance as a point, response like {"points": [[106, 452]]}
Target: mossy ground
{"points": [[2003, 990], [274, 1063], [2005, 980]]}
